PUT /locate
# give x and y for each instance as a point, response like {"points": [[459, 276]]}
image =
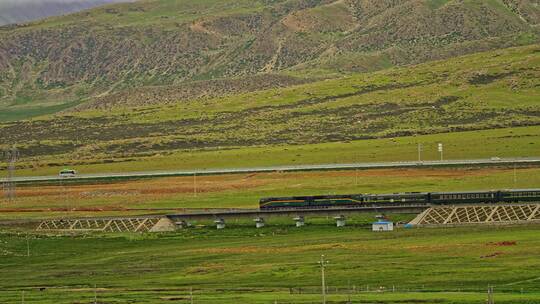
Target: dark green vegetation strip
{"points": [[240, 260]]}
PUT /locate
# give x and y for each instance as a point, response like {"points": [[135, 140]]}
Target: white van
{"points": [[68, 173]]}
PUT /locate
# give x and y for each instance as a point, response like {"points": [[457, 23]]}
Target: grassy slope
{"points": [[510, 142], [482, 91], [275, 258]]}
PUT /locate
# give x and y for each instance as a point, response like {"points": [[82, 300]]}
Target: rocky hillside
{"points": [[59, 63], [19, 11]]}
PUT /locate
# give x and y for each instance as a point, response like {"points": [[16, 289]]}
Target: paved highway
{"points": [[349, 166]]}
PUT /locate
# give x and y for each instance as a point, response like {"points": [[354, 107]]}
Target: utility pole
{"points": [[195, 184], [515, 176], [356, 170], [349, 292], [22, 297], [95, 294], [323, 264], [419, 152], [27, 247], [9, 185], [191, 295], [490, 299]]}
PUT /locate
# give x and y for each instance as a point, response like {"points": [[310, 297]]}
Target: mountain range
{"points": [[85, 57]]}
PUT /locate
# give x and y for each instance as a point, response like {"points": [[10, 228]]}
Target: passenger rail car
{"points": [[401, 199]]}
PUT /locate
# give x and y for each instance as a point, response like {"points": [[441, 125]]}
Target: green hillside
{"points": [[58, 63], [492, 90]]}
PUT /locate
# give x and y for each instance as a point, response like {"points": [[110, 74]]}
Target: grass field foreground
{"points": [[260, 266]]}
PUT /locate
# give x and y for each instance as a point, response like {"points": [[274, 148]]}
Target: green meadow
{"points": [[506, 142], [274, 264]]}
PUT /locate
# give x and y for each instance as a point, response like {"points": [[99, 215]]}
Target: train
{"points": [[401, 199]]}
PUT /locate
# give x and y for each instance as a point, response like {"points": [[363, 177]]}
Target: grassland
{"points": [[241, 264], [175, 194], [136, 88], [507, 142]]}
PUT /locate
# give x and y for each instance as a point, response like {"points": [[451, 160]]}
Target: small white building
{"points": [[382, 226]]}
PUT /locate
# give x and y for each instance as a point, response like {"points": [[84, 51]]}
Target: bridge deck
{"points": [[295, 212]]}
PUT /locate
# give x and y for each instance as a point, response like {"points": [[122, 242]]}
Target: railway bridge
{"points": [[444, 215], [298, 215]]}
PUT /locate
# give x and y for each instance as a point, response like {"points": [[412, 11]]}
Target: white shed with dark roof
{"points": [[382, 226]]}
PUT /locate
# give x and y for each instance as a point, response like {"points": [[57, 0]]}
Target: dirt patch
{"points": [[502, 244], [271, 250], [172, 185], [491, 255]]}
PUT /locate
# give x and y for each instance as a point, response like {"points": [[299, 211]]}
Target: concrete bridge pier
{"points": [[299, 221], [182, 224], [259, 222], [340, 221], [220, 223]]}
